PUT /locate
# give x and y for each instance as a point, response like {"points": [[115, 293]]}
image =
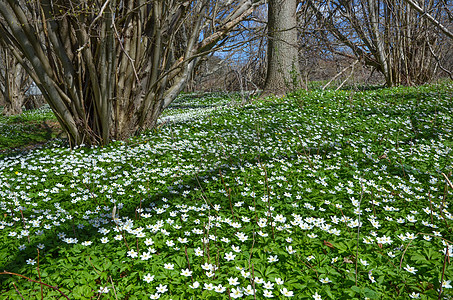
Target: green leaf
{"points": [[356, 289]]}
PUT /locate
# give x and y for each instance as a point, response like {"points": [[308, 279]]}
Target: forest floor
{"points": [[317, 195]]}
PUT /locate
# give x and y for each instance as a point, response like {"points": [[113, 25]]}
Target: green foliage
{"points": [[27, 129], [335, 194]]}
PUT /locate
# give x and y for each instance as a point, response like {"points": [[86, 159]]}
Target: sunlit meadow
{"points": [[320, 195]]}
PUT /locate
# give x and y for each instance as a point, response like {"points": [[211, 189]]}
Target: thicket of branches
{"points": [[108, 69]]}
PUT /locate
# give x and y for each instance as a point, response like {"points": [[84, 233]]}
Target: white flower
{"points": [[207, 267], [272, 258], [290, 249], [414, 295], [287, 293], [236, 293], [210, 274], [148, 278], [316, 296], [198, 252], [104, 290], [259, 280], [371, 277], [182, 240], [209, 286], [233, 281], [186, 272], [427, 238], [446, 284], [132, 253], [229, 256], [145, 256], [364, 262], [249, 290], [161, 288], [236, 248], [154, 296], [268, 285], [169, 266], [268, 294], [220, 289], [325, 280], [242, 236], [31, 261], [410, 269], [279, 281], [195, 285], [245, 274]]}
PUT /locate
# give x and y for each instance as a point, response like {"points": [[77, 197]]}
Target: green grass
{"points": [[320, 195], [27, 129]]}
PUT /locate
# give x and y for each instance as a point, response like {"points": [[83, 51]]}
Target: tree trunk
{"points": [[13, 106], [12, 92], [283, 73]]}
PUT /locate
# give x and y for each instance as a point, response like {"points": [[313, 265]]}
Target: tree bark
{"points": [[283, 74], [12, 77]]}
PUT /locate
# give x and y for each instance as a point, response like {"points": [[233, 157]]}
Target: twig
{"points": [[18, 291], [228, 192], [188, 263], [341, 72], [449, 182], [253, 282], [125, 53], [443, 273], [347, 78], [114, 290], [89, 259], [23, 220], [358, 235], [203, 195], [251, 250], [36, 281], [405, 249], [39, 274], [92, 23]]}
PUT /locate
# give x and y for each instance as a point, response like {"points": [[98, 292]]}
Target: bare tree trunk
{"points": [[378, 40], [12, 77], [283, 72]]}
